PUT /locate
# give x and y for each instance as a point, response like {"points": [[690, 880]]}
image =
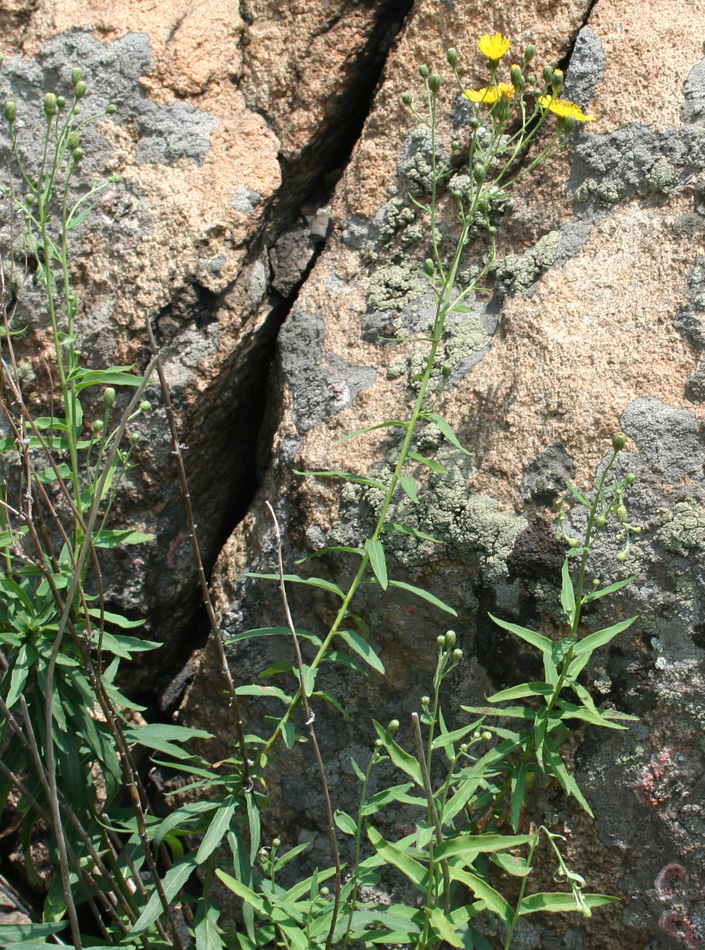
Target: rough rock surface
{"points": [[232, 126]]}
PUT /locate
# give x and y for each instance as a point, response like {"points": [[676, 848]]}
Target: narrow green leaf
{"points": [[530, 636], [346, 476], [123, 622], [577, 494], [362, 648], [430, 463], [557, 767], [288, 734], [399, 859], [511, 864], [271, 692], [206, 930], [217, 830], [413, 532], [407, 763], [283, 859], [446, 430], [561, 902], [345, 822], [164, 736], [482, 890], [408, 483], [273, 632], [595, 640], [611, 589], [374, 548], [111, 539], [444, 928], [469, 846], [255, 826], [381, 425], [518, 795], [567, 594], [424, 595], [243, 892], [521, 691], [295, 579], [395, 793], [172, 882]]}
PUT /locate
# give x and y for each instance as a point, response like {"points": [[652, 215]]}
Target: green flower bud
{"points": [[73, 140], [479, 173], [98, 426], [406, 98], [76, 76], [425, 702], [434, 82], [454, 146], [595, 582], [516, 75], [276, 842], [10, 111], [111, 110], [630, 478], [325, 892], [531, 79], [29, 200], [80, 90], [450, 638], [378, 743], [424, 71], [428, 267], [134, 438], [600, 522], [109, 397], [145, 405], [452, 55], [572, 542], [464, 747], [557, 81], [441, 640], [569, 124], [457, 655], [622, 557], [393, 727], [50, 106], [619, 441], [77, 155], [529, 53], [622, 514], [486, 736], [60, 101], [547, 74], [474, 124], [76, 110]]}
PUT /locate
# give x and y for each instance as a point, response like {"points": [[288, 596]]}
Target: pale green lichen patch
{"points": [[392, 287], [465, 338], [683, 528], [516, 274], [662, 177], [416, 165]]}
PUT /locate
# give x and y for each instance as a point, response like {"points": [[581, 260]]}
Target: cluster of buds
{"points": [[446, 647]]}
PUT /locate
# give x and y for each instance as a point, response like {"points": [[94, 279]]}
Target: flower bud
{"points": [[441, 640], [450, 638], [622, 557], [10, 111], [486, 736], [479, 173], [423, 72], [452, 55], [572, 542], [325, 892], [109, 397], [425, 702], [76, 76], [77, 155], [600, 522], [406, 98], [596, 582], [428, 267], [134, 438], [98, 426], [557, 81], [529, 53], [547, 74], [622, 514], [618, 442], [516, 75], [457, 654], [569, 124], [630, 478], [531, 79], [276, 842], [378, 744], [61, 101], [80, 89], [73, 140], [29, 200], [474, 124], [111, 110], [454, 146], [393, 727], [145, 405], [434, 82]]}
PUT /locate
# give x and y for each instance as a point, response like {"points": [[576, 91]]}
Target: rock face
{"points": [[229, 137]]}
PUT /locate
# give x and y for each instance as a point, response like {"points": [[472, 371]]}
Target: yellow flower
{"points": [[494, 47], [490, 94], [564, 108]]}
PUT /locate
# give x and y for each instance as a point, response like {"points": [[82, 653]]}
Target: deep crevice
{"points": [[309, 181]]}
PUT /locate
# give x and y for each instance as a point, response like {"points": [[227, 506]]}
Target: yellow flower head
{"points": [[564, 108], [490, 94], [494, 47]]}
